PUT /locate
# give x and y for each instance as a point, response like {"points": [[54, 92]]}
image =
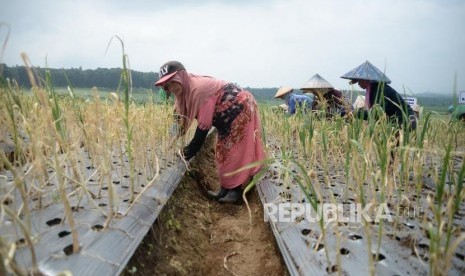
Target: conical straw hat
{"points": [[316, 82], [283, 90], [366, 71]]}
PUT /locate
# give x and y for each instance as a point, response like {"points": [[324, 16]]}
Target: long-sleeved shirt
{"points": [[299, 101], [394, 106]]}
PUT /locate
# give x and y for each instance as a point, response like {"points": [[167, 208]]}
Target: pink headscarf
{"points": [[195, 91], [367, 98]]}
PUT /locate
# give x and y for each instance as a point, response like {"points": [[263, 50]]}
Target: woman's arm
{"points": [[196, 143], [204, 119]]}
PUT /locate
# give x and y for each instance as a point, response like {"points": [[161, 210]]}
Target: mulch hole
{"points": [[7, 201], [75, 208], [378, 257], [344, 251], [319, 247], [306, 232], [68, 250], [423, 246], [54, 221], [20, 241], [355, 237], [97, 227], [63, 234], [331, 269]]}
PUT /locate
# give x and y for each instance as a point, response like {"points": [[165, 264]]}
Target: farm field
{"points": [[397, 247], [95, 178], [79, 168]]}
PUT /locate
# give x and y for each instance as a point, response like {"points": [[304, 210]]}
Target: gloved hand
{"points": [[175, 130], [196, 143], [412, 122]]}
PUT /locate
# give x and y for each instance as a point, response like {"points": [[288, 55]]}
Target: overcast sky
{"points": [[420, 44]]}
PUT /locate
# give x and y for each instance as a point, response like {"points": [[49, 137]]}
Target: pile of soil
{"points": [[194, 235]]}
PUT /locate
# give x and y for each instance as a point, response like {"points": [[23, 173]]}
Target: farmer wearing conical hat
{"points": [[293, 101], [378, 92], [326, 97], [231, 110]]}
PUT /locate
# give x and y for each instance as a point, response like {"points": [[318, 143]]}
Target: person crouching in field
{"points": [[326, 98], [378, 92], [293, 101], [225, 106]]}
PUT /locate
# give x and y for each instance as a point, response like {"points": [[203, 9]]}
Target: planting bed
{"points": [[107, 239], [403, 250], [351, 246]]}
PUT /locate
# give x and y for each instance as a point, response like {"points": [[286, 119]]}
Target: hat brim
{"points": [[165, 78], [315, 90], [316, 82], [283, 91], [366, 71]]}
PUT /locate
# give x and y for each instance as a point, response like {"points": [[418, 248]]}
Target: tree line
{"points": [[77, 77], [110, 79], [100, 77]]}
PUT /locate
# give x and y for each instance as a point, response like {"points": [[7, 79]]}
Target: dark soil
{"points": [[194, 235]]}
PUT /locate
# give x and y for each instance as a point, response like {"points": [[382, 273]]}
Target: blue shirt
{"points": [[302, 101]]}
